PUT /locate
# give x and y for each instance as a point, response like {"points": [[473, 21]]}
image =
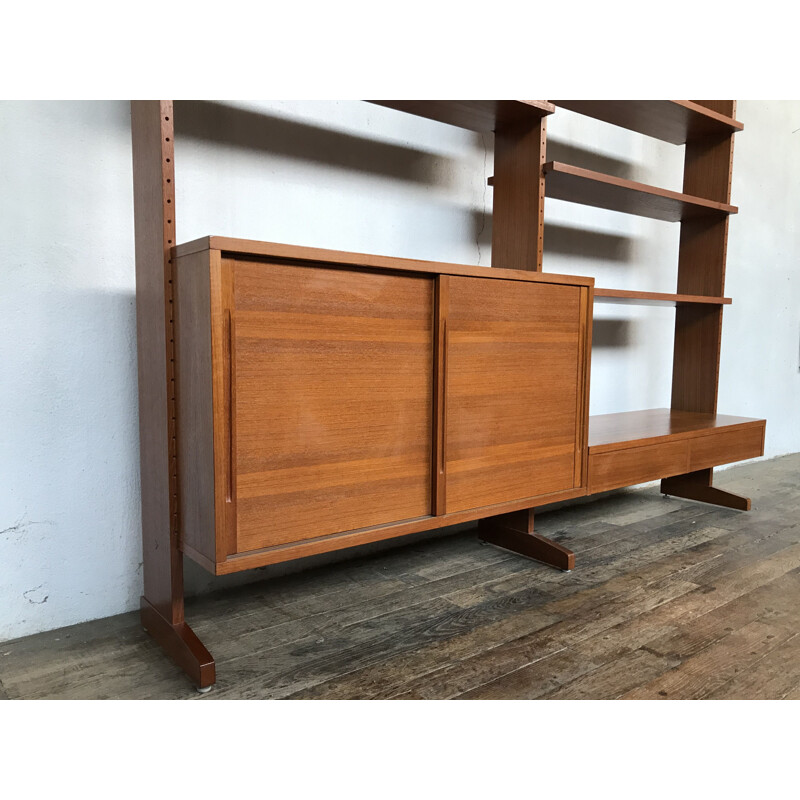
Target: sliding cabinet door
{"points": [[514, 374], [330, 401]]}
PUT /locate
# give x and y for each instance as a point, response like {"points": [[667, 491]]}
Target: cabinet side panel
{"points": [[332, 400], [195, 420]]}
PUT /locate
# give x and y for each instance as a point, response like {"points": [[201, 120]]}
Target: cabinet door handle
{"points": [[442, 449], [230, 399]]}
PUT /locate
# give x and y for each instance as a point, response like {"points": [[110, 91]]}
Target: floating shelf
{"points": [[629, 429], [675, 121], [482, 116], [577, 185], [655, 298]]}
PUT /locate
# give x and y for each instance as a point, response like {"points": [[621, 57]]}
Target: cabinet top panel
{"points": [[245, 248]]}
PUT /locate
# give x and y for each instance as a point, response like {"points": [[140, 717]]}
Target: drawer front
{"points": [[637, 465], [723, 448]]}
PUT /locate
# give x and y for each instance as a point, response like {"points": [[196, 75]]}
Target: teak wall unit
{"points": [[296, 400], [327, 399]]}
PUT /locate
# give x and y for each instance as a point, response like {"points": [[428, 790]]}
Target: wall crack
{"points": [[33, 600]]}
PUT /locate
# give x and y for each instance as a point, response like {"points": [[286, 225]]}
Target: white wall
{"points": [[344, 175]]}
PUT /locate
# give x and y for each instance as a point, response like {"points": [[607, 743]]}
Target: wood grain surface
{"points": [[512, 396], [675, 121], [640, 446], [195, 428], [152, 140], [482, 116], [275, 251], [654, 298], [637, 428], [518, 196], [332, 411], [578, 185]]}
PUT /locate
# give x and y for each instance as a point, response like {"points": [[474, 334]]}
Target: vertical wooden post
{"points": [[708, 164], [152, 135], [518, 206]]}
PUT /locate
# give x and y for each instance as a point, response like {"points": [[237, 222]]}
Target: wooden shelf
{"points": [[675, 121], [482, 116], [577, 185], [629, 429], [655, 298]]}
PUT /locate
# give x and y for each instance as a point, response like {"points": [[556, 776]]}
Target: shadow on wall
{"points": [[579, 242], [610, 333], [586, 159], [565, 240], [228, 125]]}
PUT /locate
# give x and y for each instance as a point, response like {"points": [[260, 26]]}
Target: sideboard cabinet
{"points": [[328, 399]]}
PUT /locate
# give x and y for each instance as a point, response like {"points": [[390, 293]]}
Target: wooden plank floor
{"points": [[669, 599]]}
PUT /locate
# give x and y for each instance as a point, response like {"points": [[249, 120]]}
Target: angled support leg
{"points": [[697, 486], [153, 137], [181, 644], [515, 532]]}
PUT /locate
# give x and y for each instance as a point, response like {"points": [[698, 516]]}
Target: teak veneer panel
{"points": [[675, 121], [726, 447], [342, 407], [518, 197], [193, 382], [481, 116], [637, 428], [585, 186], [274, 251], [708, 166], [332, 412], [619, 468], [513, 401], [655, 298], [635, 447]]}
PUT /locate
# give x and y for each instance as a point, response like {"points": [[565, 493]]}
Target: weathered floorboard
{"points": [[669, 599]]}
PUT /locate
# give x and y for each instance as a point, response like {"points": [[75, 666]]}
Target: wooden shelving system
{"points": [[679, 445], [523, 178], [706, 128]]}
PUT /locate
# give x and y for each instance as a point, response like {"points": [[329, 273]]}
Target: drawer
{"points": [[612, 470], [723, 448], [627, 466]]}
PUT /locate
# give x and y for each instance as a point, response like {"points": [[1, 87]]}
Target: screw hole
{"points": [[168, 180], [167, 119], [169, 201]]}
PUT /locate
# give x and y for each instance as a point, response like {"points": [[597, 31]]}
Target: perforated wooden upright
{"points": [[295, 401]]}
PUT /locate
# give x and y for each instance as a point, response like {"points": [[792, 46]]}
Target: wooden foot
{"points": [[515, 532], [697, 486], [181, 644]]}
